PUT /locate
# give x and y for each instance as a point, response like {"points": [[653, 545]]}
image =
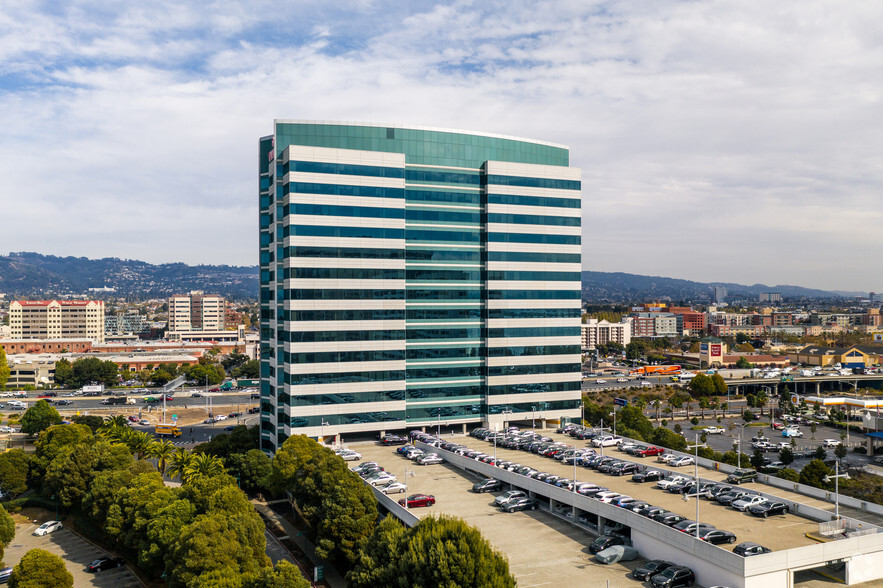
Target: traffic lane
{"points": [[74, 550], [542, 549], [784, 531], [95, 403]]}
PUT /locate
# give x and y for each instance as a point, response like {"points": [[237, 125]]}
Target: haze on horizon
{"points": [[719, 140]]}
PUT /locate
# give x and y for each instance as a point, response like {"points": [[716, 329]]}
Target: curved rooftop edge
{"points": [[417, 128]]}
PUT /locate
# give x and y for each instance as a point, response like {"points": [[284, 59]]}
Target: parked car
{"points": [[47, 527], [746, 501], [417, 500], [5, 573], [431, 459], [105, 563], [393, 488], [603, 542], [673, 576], [713, 430], [717, 536], [623, 468], [488, 485], [606, 441], [682, 461], [749, 548], [729, 498], [766, 508], [509, 495], [669, 481], [650, 451], [393, 440], [381, 478], [742, 476], [689, 527], [649, 476], [650, 569], [831, 443], [523, 503], [669, 518]]}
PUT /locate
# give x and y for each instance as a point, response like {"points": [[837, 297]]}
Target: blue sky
{"points": [[719, 140]]}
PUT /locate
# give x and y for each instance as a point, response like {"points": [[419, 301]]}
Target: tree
{"points": [[701, 385], [40, 569], [786, 456], [241, 439], [251, 369], [631, 417], [180, 462], [7, 530], [812, 429], [203, 465], [162, 451], [39, 417], [346, 519], [743, 364], [14, 466], [253, 469], [442, 551], [840, 451], [814, 473], [5, 370], [282, 575], [760, 400], [757, 459], [820, 453], [720, 385], [788, 474], [90, 420], [669, 439]]}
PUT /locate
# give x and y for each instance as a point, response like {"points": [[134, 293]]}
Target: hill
{"points": [[621, 287], [27, 274]]}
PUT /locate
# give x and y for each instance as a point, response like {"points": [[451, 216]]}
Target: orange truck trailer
{"points": [[656, 370]]}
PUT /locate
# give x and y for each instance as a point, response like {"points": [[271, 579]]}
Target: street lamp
{"points": [[741, 441], [695, 447], [323, 423], [533, 417], [837, 475]]}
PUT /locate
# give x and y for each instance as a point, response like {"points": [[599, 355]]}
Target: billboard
{"points": [[715, 350]]}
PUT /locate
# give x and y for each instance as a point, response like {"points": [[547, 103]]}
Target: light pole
{"points": [[695, 447], [837, 475], [533, 417], [741, 440], [323, 423], [438, 428]]}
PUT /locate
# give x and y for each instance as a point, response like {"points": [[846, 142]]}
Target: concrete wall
{"points": [[394, 508]]}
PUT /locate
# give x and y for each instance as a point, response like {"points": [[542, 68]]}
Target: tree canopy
{"points": [[39, 417], [40, 569], [5, 370]]}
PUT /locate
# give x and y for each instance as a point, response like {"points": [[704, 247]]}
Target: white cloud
{"points": [[719, 140]]}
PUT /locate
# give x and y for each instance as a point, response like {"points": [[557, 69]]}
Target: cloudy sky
{"points": [[732, 140]]}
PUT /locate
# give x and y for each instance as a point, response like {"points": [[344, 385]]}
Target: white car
{"points": [[681, 461], [743, 503], [350, 455], [16, 404], [622, 380], [606, 441], [381, 478], [670, 481], [393, 487], [667, 457], [47, 528], [600, 381], [713, 430], [221, 417], [7, 430], [606, 496], [831, 443]]}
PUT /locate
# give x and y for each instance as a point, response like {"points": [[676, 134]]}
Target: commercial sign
{"points": [[715, 350], [620, 401]]}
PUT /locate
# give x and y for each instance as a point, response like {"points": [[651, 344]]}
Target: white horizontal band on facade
{"points": [[553, 211], [533, 170], [305, 410], [310, 284], [350, 305], [341, 346], [527, 285], [344, 262], [515, 228], [507, 247], [532, 266], [348, 242], [347, 156], [520, 323], [321, 220], [441, 187], [343, 180], [533, 192], [324, 326], [355, 201], [535, 304]]}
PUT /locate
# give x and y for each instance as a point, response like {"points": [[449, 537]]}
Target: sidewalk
{"points": [[332, 576]]}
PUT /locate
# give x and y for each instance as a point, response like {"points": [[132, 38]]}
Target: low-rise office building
{"points": [[595, 332], [57, 319]]}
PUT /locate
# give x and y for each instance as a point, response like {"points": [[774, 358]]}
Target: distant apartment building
{"points": [[657, 324], [196, 312], [595, 332], [18, 346], [694, 322], [769, 297], [720, 294], [57, 319], [122, 323]]}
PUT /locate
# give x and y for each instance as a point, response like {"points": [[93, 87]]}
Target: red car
{"points": [[418, 500], [651, 451]]}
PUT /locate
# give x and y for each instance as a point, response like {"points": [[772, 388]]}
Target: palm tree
{"points": [[657, 404], [760, 399], [114, 428], [180, 461], [162, 451], [204, 465], [139, 443]]}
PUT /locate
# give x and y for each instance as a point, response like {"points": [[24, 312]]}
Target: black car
{"points": [[689, 527], [673, 576], [651, 568], [652, 511], [252, 396], [681, 487], [105, 563], [765, 509], [393, 440], [649, 476], [669, 518], [638, 506], [717, 536], [748, 549], [603, 542], [718, 489], [519, 504], [623, 469], [731, 497], [63, 402]]}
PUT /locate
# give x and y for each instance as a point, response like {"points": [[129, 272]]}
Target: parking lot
{"points": [[544, 549], [74, 550]]}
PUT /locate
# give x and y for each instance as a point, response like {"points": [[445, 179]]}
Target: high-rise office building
{"points": [[415, 277], [196, 312]]}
